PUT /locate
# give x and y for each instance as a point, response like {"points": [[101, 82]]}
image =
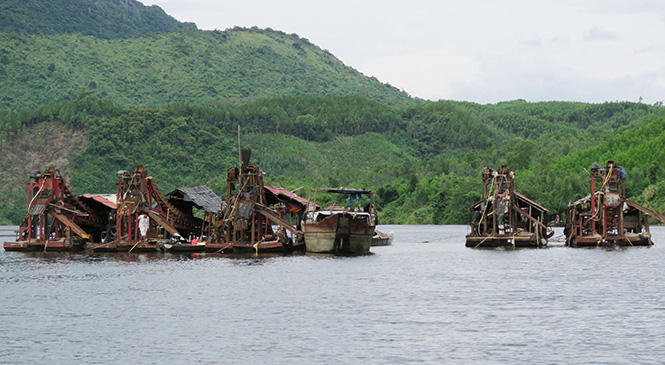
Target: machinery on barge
{"points": [[57, 220], [506, 218], [250, 220], [606, 216], [254, 217], [168, 226]]}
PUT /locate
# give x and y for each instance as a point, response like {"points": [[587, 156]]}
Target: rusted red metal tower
{"points": [[57, 220], [606, 216]]}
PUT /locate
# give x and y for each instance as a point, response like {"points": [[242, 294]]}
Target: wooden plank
{"points": [[644, 210], [277, 220], [527, 215], [73, 226], [162, 222]]}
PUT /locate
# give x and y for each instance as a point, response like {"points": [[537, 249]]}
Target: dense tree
{"points": [[100, 18], [184, 67], [424, 161]]}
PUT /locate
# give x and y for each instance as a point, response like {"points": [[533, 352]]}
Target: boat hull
{"points": [[339, 233], [32, 246], [382, 241], [509, 240], [628, 240]]}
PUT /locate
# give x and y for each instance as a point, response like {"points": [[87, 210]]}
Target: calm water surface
{"points": [[426, 299]]}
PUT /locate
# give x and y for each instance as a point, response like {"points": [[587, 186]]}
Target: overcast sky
{"points": [[484, 51]]}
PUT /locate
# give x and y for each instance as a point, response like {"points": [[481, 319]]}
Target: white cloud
{"points": [[434, 73], [477, 50], [597, 34]]}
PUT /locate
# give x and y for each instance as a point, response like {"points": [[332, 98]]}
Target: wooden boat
{"points": [[506, 218], [340, 230], [382, 239], [607, 217]]}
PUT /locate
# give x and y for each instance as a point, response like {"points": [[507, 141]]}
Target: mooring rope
{"points": [[481, 242], [132, 249], [223, 248]]}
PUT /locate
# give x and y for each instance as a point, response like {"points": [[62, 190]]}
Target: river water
{"points": [[425, 299]]}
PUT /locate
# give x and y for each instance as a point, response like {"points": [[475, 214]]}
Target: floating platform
{"points": [[506, 218], [34, 246], [520, 240], [596, 240], [606, 217], [147, 246]]}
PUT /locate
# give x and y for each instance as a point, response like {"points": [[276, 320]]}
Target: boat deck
{"points": [[521, 240], [628, 239]]}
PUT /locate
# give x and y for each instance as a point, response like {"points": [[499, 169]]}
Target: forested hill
{"points": [[423, 160], [197, 67], [138, 55], [93, 99], [100, 18]]}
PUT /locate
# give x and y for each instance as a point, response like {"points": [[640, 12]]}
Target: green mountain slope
{"points": [[343, 141], [196, 67], [638, 150], [94, 87], [100, 18]]}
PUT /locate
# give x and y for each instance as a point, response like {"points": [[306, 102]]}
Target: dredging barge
{"points": [[58, 220], [506, 218], [256, 217], [606, 216], [139, 218]]}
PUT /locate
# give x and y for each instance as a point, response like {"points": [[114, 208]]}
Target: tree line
{"points": [[423, 160]]}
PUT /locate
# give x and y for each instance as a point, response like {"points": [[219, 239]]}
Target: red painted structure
{"points": [[605, 216], [57, 220]]}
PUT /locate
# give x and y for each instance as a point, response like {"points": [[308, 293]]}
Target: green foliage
{"points": [[100, 18], [177, 149], [423, 161], [638, 150], [186, 67]]}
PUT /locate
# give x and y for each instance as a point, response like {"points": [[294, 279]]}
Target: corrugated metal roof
{"points": [[202, 197], [282, 193], [110, 200]]}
